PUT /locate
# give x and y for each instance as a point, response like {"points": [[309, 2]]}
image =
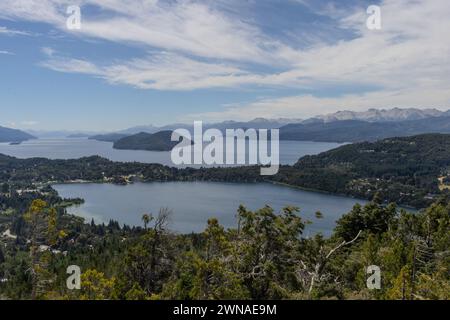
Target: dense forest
{"points": [[265, 256], [402, 170]]}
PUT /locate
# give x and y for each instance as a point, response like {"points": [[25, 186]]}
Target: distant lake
{"points": [[194, 202], [290, 151]]}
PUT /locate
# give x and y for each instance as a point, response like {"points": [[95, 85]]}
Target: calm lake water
{"points": [[290, 151], [194, 202]]}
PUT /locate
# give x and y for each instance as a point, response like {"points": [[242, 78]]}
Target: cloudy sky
{"points": [[138, 62]]}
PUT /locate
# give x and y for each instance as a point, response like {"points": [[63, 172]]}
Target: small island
{"points": [[160, 141]]}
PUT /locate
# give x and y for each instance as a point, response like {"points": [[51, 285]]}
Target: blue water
{"points": [[290, 151], [193, 203]]}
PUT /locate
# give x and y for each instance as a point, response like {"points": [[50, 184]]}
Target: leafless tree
{"points": [[310, 274]]}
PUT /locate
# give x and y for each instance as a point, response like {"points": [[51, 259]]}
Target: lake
{"points": [[290, 151], [194, 202]]}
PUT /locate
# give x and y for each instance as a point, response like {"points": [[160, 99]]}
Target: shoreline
{"points": [[399, 206]]}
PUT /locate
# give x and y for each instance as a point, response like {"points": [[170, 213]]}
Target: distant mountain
{"points": [[59, 134], [371, 115], [78, 135], [258, 123], [160, 141], [383, 115], [108, 137], [342, 126], [357, 131], [139, 129], [14, 135]]}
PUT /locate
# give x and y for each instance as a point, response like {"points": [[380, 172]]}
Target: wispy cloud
{"points": [[185, 26], [12, 32], [198, 45], [7, 52], [161, 71]]}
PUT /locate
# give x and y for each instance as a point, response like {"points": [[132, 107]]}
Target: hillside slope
{"points": [[405, 170], [14, 135]]}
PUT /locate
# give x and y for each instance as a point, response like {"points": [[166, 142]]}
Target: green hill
{"points": [[160, 141], [405, 170]]}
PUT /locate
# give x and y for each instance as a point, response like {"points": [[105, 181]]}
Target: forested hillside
{"points": [[265, 256], [358, 131], [405, 170]]}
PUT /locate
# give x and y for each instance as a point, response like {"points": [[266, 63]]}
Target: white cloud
{"points": [[6, 52], [306, 106], [72, 66], [195, 45], [12, 32], [185, 26], [48, 11], [161, 71]]}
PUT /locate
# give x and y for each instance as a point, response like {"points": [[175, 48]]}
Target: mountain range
{"points": [[14, 135], [382, 115], [371, 115], [257, 123], [342, 126], [357, 130]]}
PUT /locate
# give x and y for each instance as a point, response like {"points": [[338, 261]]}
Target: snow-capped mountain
{"points": [[383, 115]]}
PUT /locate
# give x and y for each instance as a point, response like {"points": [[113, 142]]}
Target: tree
{"points": [[5, 188], [207, 274], [146, 218], [372, 218], [147, 263], [2, 256], [266, 247], [311, 267], [43, 232], [95, 286], [136, 293]]}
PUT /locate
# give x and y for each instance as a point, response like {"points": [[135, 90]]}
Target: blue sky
{"points": [[138, 62]]}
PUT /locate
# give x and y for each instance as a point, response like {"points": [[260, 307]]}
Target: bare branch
{"points": [[344, 243]]}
